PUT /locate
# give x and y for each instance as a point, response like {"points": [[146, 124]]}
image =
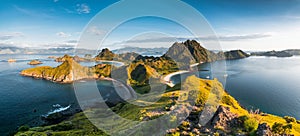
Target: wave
{"points": [[59, 108]]}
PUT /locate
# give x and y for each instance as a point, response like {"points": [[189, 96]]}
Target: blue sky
{"points": [[239, 24]]}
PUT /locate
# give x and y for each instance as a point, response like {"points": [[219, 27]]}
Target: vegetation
{"points": [[250, 124], [289, 119], [194, 93], [281, 129], [201, 90]]}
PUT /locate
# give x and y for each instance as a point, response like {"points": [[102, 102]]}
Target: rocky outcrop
{"points": [[264, 130], [223, 119], [35, 62]]}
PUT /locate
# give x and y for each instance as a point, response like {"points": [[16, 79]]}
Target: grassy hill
{"points": [[229, 118]]}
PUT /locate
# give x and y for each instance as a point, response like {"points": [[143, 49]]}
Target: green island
{"points": [[228, 117]]}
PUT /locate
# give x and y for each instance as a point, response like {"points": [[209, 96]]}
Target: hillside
{"points": [[227, 119], [69, 71], [190, 52]]}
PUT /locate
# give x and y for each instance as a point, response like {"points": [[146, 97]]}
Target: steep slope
{"points": [[190, 52], [105, 54]]}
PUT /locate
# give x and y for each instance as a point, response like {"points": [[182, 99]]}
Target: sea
{"points": [[269, 84]]}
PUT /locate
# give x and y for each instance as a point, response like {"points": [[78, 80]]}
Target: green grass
{"points": [[202, 90]]}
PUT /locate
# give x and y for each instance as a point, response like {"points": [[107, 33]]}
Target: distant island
{"points": [[230, 117], [273, 54]]}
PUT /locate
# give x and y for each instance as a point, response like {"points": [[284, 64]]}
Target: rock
{"points": [[34, 62], [224, 119], [184, 133], [264, 130], [170, 131], [196, 131]]}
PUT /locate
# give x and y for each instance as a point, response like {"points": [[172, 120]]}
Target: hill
{"points": [[69, 71], [229, 118]]}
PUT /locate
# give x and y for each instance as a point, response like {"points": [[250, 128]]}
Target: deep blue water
{"points": [[269, 84], [24, 99], [266, 83]]}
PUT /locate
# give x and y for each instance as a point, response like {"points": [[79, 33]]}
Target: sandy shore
{"points": [[167, 79]]}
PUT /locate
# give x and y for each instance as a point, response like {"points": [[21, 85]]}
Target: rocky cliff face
{"points": [[191, 51]]}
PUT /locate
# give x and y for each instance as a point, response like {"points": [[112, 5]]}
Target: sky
{"points": [[250, 25]]}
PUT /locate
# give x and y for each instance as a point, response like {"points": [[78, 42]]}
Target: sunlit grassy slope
{"points": [[202, 91]]}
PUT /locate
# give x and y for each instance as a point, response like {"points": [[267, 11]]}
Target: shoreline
{"points": [[167, 78]]}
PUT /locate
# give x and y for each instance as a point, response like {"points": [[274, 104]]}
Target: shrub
{"points": [[287, 128], [279, 128], [250, 124], [23, 128], [289, 119], [62, 127]]}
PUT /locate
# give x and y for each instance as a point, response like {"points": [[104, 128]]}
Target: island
{"points": [[35, 62], [208, 97], [272, 54], [11, 60]]}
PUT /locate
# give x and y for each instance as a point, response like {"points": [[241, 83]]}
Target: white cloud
{"points": [[95, 30], [83, 8], [63, 35], [7, 36]]}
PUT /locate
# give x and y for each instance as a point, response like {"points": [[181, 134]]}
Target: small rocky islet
{"points": [[228, 117], [34, 62]]}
